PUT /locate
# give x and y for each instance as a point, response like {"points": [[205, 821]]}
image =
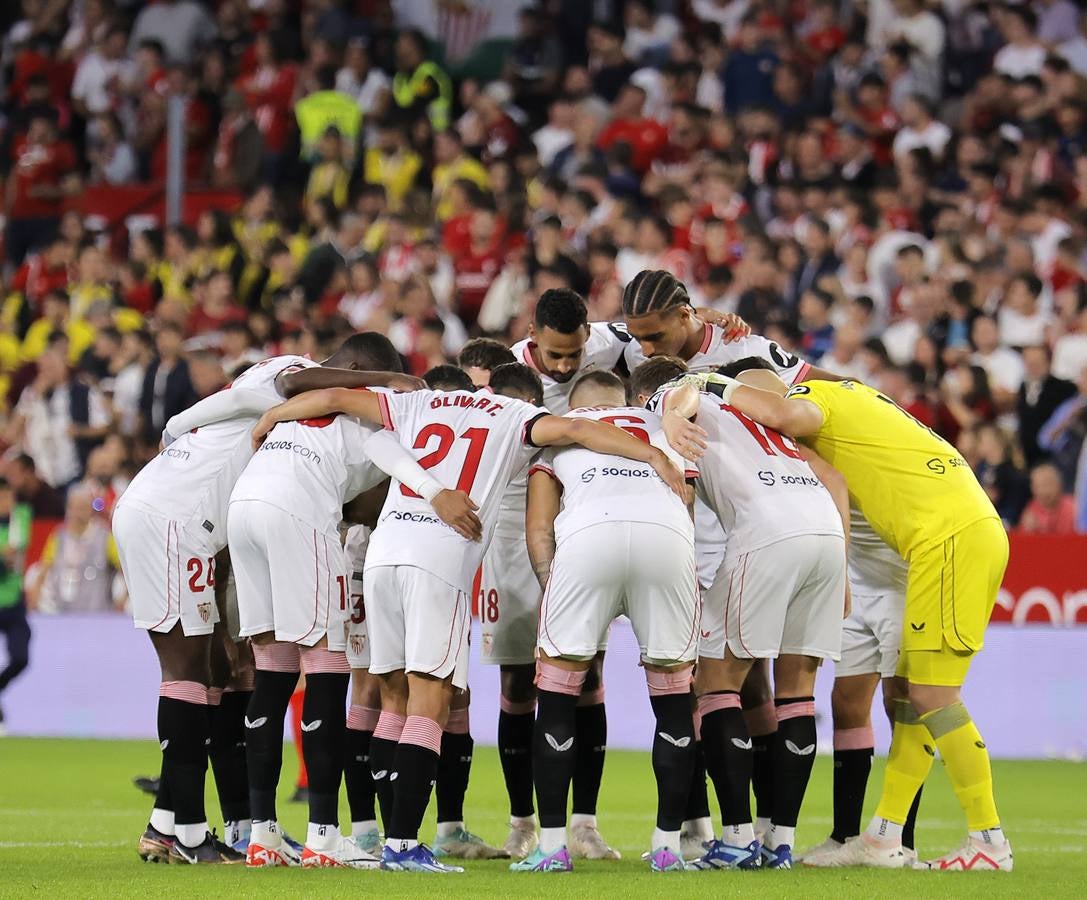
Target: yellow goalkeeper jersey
{"points": [[912, 485]]}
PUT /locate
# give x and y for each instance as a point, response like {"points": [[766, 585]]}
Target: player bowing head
{"points": [[448, 378], [367, 351], [659, 315], [597, 389], [516, 380], [481, 356], [559, 331]]}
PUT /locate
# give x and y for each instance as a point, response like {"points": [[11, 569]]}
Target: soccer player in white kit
{"points": [[607, 538], [659, 317], [419, 573], [169, 526], [779, 595], [293, 590]]}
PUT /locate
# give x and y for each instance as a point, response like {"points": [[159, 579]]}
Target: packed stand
{"points": [[896, 192]]}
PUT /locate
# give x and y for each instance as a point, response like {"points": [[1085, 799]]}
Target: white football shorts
{"points": [[509, 603], [784, 598], [417, 622], [642, 570], [291, 579], [358, 637], [872, 635], [169, 569]]}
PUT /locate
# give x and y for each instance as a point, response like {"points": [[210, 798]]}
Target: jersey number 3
{"points": [[476, 439]]}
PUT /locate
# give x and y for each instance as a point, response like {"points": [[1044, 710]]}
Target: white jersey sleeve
{"points": [[191, 479], [597, 487], [474, 442]]}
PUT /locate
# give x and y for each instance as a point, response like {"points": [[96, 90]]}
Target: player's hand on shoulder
{"points": [[457, 510], [684, 436], [734, 327], [264, 424]]}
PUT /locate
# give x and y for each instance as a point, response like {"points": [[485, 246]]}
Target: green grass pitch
{"points": [[69, 819]]}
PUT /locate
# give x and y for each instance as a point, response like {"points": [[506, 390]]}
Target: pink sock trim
{"points": [[661, 683], [322, 661], [277, 657], [709, 703], [215, 696], [517, 707], [458, 721], [389, 726], [591, 698], [697, 716], [362, 718], [422, 732], [185, 691], [795, 710], [761, 720], [559, 681], [854, 738]]}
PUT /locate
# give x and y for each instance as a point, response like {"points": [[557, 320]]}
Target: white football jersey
{"points": [[477, 442], [603, 351], [191, 480], [311, 468], [874, 568], [756, 481], [597, 487], [715, 352]]}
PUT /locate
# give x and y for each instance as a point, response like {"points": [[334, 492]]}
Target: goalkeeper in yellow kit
{"points": [[921, 497]]}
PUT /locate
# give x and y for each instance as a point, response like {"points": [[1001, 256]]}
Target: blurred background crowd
{"points": [[894, 189]]}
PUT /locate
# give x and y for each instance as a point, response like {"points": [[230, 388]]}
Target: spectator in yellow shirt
{"points": [[453, 163], [392, 164], [56, 316], [329, 177]]}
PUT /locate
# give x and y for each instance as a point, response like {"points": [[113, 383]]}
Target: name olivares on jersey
{"points": [[304, 452], [771, 478], [484, 404], [614, 472]]}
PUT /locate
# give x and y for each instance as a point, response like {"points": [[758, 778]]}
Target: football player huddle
{"points": [[749, 514]]}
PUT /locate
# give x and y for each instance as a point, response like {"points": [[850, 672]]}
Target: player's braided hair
{"points": [[654, 290]]}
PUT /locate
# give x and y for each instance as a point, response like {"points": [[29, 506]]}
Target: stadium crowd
{"points": [[893, 190]]}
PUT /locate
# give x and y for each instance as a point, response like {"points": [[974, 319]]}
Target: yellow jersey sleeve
{"points": [[914, 488]]}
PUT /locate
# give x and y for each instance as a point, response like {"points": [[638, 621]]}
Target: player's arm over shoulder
{"points": [[798, 414], [293, 381]]}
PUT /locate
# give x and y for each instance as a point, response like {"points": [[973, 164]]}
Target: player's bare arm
{"points": [[677, 414], [558, 431], [544, 496], [794, 417], [219, 407], [316, 378]]}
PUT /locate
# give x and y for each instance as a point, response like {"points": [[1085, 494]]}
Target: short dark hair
{"points": [[370, 351], [650, 375], [654, 290], [448, 378], [560, 309], [599, 378], [484, 353], [737, 366], [517, 380]]}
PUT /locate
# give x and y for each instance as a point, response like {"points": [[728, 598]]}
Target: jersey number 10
{"points": [[477, 440], [772, 442]]}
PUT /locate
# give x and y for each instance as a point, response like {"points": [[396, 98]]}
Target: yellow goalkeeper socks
{"points": [[907, 766], [967, 761]]}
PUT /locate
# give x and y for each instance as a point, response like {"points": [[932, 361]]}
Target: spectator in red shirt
{"points": [[647, 137], [476, 266], [874, 115], [43, 173], [43, 272], [1050, 511], [269, 92]]}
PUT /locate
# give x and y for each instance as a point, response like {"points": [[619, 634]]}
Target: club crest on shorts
{"points": [[205, 612], [358, 643]]}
